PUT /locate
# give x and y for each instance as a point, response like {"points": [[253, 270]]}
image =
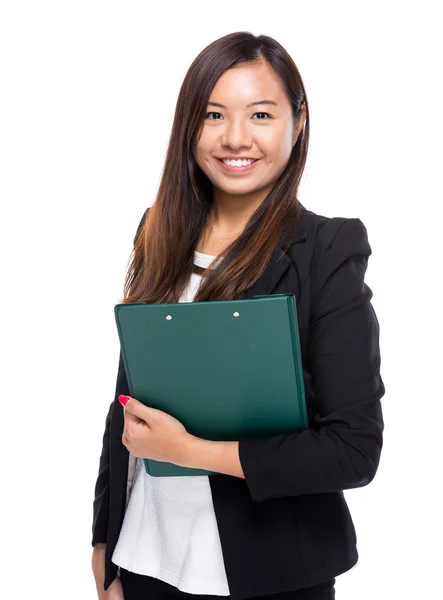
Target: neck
{"points": [[231, 212]]}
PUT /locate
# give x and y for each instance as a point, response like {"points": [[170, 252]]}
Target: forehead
{"points": [[245, 83]]}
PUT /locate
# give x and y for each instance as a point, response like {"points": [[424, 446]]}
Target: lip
{"points": [[238, 169]]}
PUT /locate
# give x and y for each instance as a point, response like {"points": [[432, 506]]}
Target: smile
{"points": [[235, 169]]}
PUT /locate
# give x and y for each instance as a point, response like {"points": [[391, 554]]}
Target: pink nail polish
{"points": [[123, 399]]}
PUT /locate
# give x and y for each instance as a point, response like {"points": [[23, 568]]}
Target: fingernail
{"points": [[123, 399]]}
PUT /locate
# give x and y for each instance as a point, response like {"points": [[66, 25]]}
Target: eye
{"points": [[211, 113], [263, 113], [257, 113]]}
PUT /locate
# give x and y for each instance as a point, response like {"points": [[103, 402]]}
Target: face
{"points": [[237, 129]]}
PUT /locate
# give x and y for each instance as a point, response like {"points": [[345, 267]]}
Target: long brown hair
{"points": [[161, 261]]}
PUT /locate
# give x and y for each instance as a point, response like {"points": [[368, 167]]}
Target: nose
{"points": [[236, 134]]}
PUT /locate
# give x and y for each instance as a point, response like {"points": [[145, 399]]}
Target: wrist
{"points": [[191, 451], [98, 560]]}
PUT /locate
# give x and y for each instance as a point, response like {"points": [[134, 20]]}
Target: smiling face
{"points": [[239, 124]]}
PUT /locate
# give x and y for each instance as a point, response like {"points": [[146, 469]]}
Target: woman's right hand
{"points": [[115, 590]]}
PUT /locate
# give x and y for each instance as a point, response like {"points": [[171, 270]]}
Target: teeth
{"points": [[238, 163]]}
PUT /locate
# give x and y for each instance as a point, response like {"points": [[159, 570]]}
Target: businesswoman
{"points": [[227, 224]]}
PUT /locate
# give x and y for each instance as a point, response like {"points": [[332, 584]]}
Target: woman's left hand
{"points": [[152, 433]]}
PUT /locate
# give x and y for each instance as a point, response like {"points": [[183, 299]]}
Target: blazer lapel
{"points": [[280, 261]]}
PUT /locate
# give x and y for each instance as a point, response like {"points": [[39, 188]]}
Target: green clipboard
{"points": [[225, 369]]}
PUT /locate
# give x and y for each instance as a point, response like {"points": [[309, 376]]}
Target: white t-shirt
{"points": [[169, 530]]}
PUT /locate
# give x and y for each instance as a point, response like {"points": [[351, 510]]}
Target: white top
{"points": [[169, 530]]}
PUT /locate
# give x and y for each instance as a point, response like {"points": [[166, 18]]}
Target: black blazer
{"points": [[287, 524]]}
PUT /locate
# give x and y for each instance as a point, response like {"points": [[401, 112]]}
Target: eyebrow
{"points": [[247, 106]]}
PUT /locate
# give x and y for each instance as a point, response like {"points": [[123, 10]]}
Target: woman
{"points": [[274, 521]]}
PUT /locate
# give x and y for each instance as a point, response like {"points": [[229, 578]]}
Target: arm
{"points": [[101, 495], [342, 448], [101, 498], [221, 457]]}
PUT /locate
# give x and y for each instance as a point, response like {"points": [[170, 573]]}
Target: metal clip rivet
{"points": [[168, 318], [236, 314]]}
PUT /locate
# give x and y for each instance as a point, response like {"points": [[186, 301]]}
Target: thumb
{"points": [[135, 407]]}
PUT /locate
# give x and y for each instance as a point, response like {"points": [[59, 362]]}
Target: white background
{"points": [[88, 92]]}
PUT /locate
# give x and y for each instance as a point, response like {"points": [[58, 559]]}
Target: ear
{"points": [[299, 124]]}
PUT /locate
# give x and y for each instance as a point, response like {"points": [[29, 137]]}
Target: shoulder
{"points": [[321, 234], [326, 247], [326, 230], [336, 236]]}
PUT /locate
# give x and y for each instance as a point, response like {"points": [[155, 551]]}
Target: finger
{"points": [[135, 408]]}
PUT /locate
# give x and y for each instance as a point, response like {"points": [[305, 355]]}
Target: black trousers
{"points": [[144, 587]]}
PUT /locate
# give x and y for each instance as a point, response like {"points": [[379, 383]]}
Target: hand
{"points": [[114, 591], [152, 433]]}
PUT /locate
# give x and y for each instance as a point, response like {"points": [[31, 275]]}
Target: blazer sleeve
{"points": [[101, 496], [341, 449], [102, 485]]}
